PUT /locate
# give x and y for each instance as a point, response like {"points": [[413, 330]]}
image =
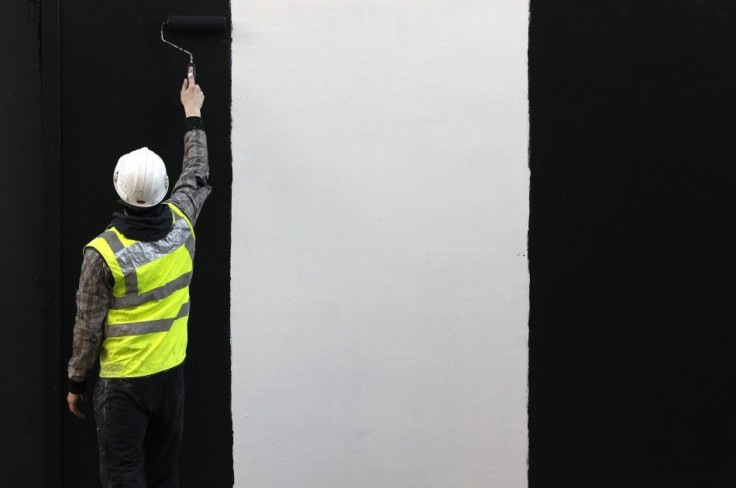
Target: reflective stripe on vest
{"points": [[146, 324]]}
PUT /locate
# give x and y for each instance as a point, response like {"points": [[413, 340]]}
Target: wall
{"points": [[342, 368], [379, 270], [631, 243], [21, 259]]}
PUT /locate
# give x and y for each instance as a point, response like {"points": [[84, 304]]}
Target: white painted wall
{"points": [[379, 271]]}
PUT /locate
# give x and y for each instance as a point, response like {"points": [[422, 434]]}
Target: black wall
{"points": [[85, 82], [633, 323], [21, 248], [120, 91]]}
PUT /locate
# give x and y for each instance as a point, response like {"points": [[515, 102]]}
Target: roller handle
{"points": [[194, 71]]}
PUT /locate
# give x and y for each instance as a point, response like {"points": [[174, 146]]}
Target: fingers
{"points": [[77, 413], [192, 96], [190, 76], [71, 399]]}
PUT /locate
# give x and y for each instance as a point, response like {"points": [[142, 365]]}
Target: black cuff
{"points": [[192, 123], [77, 387]]}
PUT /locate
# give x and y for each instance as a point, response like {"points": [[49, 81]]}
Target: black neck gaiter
{"points": [[146, 224]]}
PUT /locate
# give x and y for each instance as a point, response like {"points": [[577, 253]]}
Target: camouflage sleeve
{"points": [[191, 190], [93, 299]]}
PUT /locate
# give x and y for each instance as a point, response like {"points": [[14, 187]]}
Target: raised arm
{"points": [[191, 189]]}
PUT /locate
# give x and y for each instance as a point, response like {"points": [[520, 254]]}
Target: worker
{"points": [[132, 311]]}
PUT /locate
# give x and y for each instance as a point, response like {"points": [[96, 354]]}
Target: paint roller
{"points": [[186, 24]]}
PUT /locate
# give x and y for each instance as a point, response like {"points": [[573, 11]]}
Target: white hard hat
{"points": [[140, 178]]}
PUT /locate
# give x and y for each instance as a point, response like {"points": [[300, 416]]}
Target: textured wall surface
{"points": [[21, 259], [379, 270], [631, 243]]}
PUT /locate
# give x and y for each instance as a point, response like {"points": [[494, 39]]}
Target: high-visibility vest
{"points": [[145, 331]]}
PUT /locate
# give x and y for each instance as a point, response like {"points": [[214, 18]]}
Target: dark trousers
{"points": [[140, 422]]}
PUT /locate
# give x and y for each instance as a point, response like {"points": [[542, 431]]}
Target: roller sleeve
{"points": [[196, 24]]}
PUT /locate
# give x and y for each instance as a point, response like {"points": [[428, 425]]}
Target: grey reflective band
{"points": [[138, 328], [190, 247], [131, 300], [131, 280], [113, 241], [141, 253], [131, 283]]}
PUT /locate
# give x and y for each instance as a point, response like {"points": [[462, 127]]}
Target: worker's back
{"points": [[146, 323]]}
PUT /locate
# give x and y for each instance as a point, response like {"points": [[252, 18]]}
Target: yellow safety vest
{"points": [[146, 325]]}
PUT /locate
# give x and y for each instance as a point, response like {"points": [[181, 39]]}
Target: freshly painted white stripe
{"points": [[379, 270]]}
